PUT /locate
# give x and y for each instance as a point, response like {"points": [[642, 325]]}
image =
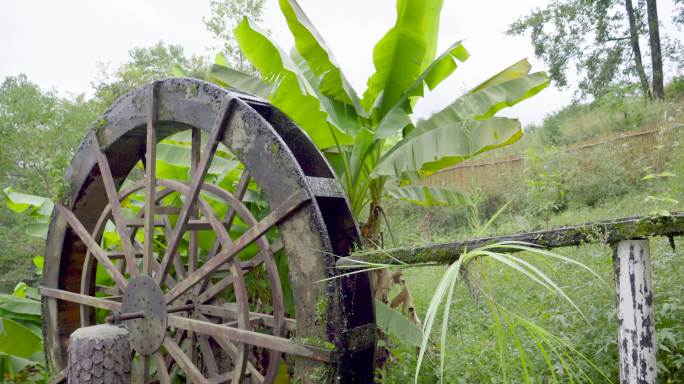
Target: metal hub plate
{"points": [[145, 334]]}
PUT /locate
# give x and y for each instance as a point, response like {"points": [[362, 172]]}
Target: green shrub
{"points": [[675, 89]]}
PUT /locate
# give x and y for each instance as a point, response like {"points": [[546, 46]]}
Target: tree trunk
{"points": [[636, 49], [370, 231], [656, 54]]}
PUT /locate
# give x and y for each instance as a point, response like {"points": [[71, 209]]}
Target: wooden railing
{"points": [[631, 258]]}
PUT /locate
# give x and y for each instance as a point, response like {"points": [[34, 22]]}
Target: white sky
{"points": [[59, 43]]}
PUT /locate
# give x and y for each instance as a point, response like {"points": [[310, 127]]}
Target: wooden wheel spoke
{"points": [[193, 246], [222, 378], [240, 191], [230, 311], [162, 371], [92, 245], [177, 262], [145, 360], [183, 361], [252, 234], [256, 339], [232, 350], [113, 197], [207, 355], [196, 183], [78, 298], [150, 178], [180, 336]]}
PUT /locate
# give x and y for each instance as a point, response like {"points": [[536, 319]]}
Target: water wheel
{"points": [[217, 279]]}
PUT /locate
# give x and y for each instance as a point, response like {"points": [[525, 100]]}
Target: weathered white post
{"points": [[636, 324], [99, 354]]}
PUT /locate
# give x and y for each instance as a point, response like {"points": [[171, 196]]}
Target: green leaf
{"points": [[20, 202], [310, 44], [444, 65], [658, 175], [486, 102], [397, 118], [39, 262], [18, 340], [20, 290], [402, 54], [221, 60], [434, 74], [39, 230], [291, 94], [178, 71], [428, 196], [340, 114], [394, 121], [227, 77], [394, 323], [519, 69], [426, 152], [12, 305], [39, 209], [180, 156]]}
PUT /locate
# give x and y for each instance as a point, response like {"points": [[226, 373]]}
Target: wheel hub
{"points": [[146, 333]]}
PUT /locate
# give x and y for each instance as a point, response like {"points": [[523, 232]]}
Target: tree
{"points": [[656, 54], [599, 37], [145, 65], [225, 15], [371, 141], [679, 14], [38, 131], [636, 49]]}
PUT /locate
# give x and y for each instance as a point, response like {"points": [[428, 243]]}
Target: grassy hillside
{"points": [[554, 193]]}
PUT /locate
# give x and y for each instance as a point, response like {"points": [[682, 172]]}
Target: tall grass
{"points": [[554, 349], [500, 327]]}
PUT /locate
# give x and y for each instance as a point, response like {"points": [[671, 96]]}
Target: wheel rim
{"points": [[298, 210]]}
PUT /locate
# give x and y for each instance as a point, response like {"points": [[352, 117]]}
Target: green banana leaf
{"points": [[20, 202], [339, 113], [18, 340], [426, 152], [441, 68], [39, 209], [394, 121], [227, 77], [518, 69], [20, 309], [487, 101], [396, 324], [319, 57], [291, 94], [180, 156], [428, 196], [403, 53], [398, 117]]}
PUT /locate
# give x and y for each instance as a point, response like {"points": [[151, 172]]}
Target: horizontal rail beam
{"points": [[606, 232]]}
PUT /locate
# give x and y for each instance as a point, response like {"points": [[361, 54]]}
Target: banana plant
{"points": [[372, 140]]}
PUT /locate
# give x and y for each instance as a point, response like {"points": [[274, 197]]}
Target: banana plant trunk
{"points": [[380, 279]]}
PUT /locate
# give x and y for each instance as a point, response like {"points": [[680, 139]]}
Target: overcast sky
{"points": [[59, 43]]}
